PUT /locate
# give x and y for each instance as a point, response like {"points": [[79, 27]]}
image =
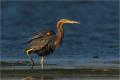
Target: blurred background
{"points": [[94, 41]]}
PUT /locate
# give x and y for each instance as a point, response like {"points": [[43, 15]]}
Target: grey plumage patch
{"points": [[42, 44]]}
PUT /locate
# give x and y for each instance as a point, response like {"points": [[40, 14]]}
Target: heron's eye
{"points": [[48, 33]]}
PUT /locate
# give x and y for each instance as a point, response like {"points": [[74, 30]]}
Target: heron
{"points": [[45, 42]]}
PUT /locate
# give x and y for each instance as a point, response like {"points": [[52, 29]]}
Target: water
{"points": [[97, 35], [56, 75]]}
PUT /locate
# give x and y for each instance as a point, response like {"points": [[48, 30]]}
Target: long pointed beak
{"points": [[74, 22]]}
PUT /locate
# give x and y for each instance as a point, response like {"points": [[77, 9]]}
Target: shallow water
{"points": [[59, 74], [64, 78]]}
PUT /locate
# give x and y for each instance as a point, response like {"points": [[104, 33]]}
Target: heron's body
{"points": [[46, 42], [42, 43]]}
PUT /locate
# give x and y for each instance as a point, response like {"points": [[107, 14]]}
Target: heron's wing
{"points": [[37, 35], [41, 43]]}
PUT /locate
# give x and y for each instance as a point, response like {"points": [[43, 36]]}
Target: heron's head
{"points": [[65, 21]]}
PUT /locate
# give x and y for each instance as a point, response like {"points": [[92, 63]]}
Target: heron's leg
{"points": [[42, 62], [32, 61]]}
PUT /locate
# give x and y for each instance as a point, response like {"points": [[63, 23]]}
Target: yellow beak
{"points": [[74, 22]]}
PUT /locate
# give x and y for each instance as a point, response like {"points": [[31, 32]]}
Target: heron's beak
{"points": [[74, 22]]}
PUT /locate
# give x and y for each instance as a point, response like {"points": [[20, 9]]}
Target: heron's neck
{"points": [[59, 34]]}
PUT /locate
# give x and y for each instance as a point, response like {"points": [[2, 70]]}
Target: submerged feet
{"points": [[31, 63]]}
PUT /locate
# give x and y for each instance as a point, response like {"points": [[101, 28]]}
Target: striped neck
{"points": [[59, 34]]}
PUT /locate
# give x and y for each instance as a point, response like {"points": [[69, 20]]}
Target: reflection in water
{"points": [[34, 77], [42, 77], [29, 78], [37, 76]]}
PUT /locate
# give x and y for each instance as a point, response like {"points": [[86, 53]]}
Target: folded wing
{"points": [[42, 43]]}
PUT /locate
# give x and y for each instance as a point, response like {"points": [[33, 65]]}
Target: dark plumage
{"points": [[44, 43]]}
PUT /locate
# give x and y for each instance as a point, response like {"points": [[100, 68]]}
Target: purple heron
{"points": [[46, 42]]}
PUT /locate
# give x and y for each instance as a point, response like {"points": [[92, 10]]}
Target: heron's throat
{"points": [[59, 34]]}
